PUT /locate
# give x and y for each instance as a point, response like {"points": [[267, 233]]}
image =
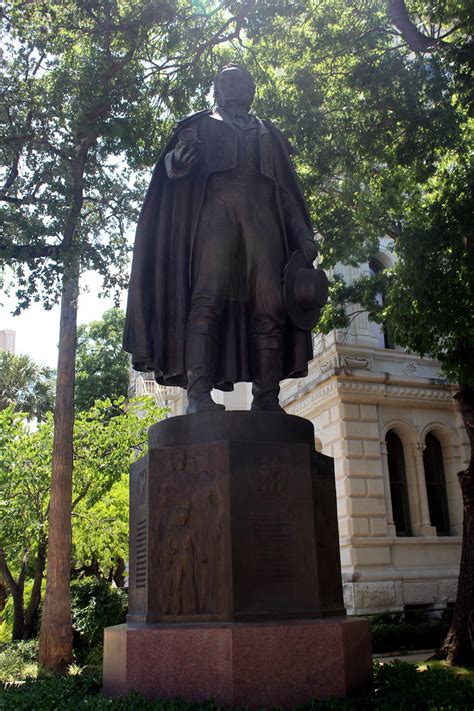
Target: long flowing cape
{"points": [[159, 291]]}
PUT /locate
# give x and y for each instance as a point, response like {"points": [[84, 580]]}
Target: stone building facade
{"points": [[389, 420], [142, 384], [7, 340]]}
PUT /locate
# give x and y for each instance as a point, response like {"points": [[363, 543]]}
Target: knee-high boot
{"points": [[266, 380], [201, 352]]}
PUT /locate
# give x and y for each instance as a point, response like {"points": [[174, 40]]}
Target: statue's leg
{"points": [[201, 352], [212, 257], [264, 250], [266, 364]]}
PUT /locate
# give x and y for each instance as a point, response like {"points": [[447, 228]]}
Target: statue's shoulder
{"points": [[191, 119], [183, 123], [279, 135]]}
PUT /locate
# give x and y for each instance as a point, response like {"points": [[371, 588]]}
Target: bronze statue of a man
{"points": [[223, 213]]}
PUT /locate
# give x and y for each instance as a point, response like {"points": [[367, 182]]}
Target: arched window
{"points": [[436, 485], [375, 268], [398, 484]]}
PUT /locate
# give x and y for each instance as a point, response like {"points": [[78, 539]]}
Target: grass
{"points": [[398, 686], [461, 672]]}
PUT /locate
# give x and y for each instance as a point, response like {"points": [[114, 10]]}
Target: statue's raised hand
{"points": [[186, 153]]}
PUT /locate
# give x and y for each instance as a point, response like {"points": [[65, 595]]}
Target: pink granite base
{"points": [[244, 664]]}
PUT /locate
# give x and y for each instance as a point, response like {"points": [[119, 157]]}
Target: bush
{"points": [[95, 605], [400, 631], [399, 686], [18, 660]]}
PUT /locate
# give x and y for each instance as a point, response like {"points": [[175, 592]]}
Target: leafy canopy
{"points": [[89, 92], [104, 448], [102, 367], [382, 123]]}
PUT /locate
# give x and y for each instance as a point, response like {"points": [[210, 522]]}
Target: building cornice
{"points": [[373, 388]]}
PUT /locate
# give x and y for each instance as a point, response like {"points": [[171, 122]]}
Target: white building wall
{"points": [[7, 340]]}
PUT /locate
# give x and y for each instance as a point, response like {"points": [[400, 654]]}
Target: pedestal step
{"points": [[243, 664]]}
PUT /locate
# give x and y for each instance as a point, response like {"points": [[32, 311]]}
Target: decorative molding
{"points": [[410, 368], [362, 387], [317, 393], [327, 365], [388, 390], [317, 396], [356, 362]]}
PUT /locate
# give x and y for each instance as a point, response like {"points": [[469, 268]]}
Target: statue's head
{"points": [[234, 88]]}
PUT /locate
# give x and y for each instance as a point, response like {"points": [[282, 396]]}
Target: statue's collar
{"points": [[221, 114]]}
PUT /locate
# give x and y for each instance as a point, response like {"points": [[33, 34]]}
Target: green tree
{"points": [[25, 474], [107, 438], [88, 89], [104, 447], [102, 367], [429, 307], [27, 386], [100, 534]]}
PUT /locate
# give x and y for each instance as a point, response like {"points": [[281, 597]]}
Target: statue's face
{"points": [[234, 89]]}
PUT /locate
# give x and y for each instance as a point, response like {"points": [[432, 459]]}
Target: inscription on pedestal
{"points": [[141, 554], [272, 520], [272, 534], [138, 562], [141, 547]]}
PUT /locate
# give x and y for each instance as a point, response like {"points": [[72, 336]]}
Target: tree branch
{"points": [[5, 570], [82, 495], [219, 37], [416, 40]]}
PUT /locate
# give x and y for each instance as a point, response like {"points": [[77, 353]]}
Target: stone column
{"points": [[452, 465], [388, 496], [425, 527]]}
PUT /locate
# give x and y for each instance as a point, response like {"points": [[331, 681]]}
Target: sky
{"points": [[37, 330]]}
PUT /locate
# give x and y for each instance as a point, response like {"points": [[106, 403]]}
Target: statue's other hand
{"points": [[309, 250], [185, 155]]}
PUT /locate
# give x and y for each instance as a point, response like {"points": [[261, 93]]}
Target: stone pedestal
{"points": [[240, 664], [234, 551]]}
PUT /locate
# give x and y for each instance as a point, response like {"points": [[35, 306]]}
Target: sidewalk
{"points": [[420, 655]]}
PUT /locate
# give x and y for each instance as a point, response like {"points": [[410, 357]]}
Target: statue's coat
{"points": [[160, 290]]}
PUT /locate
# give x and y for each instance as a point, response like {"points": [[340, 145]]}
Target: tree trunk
{"points": [[55, 648], [16, 588], [35, 599], [458, 647], [3, 594], [119, 573], [18, 611]]}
